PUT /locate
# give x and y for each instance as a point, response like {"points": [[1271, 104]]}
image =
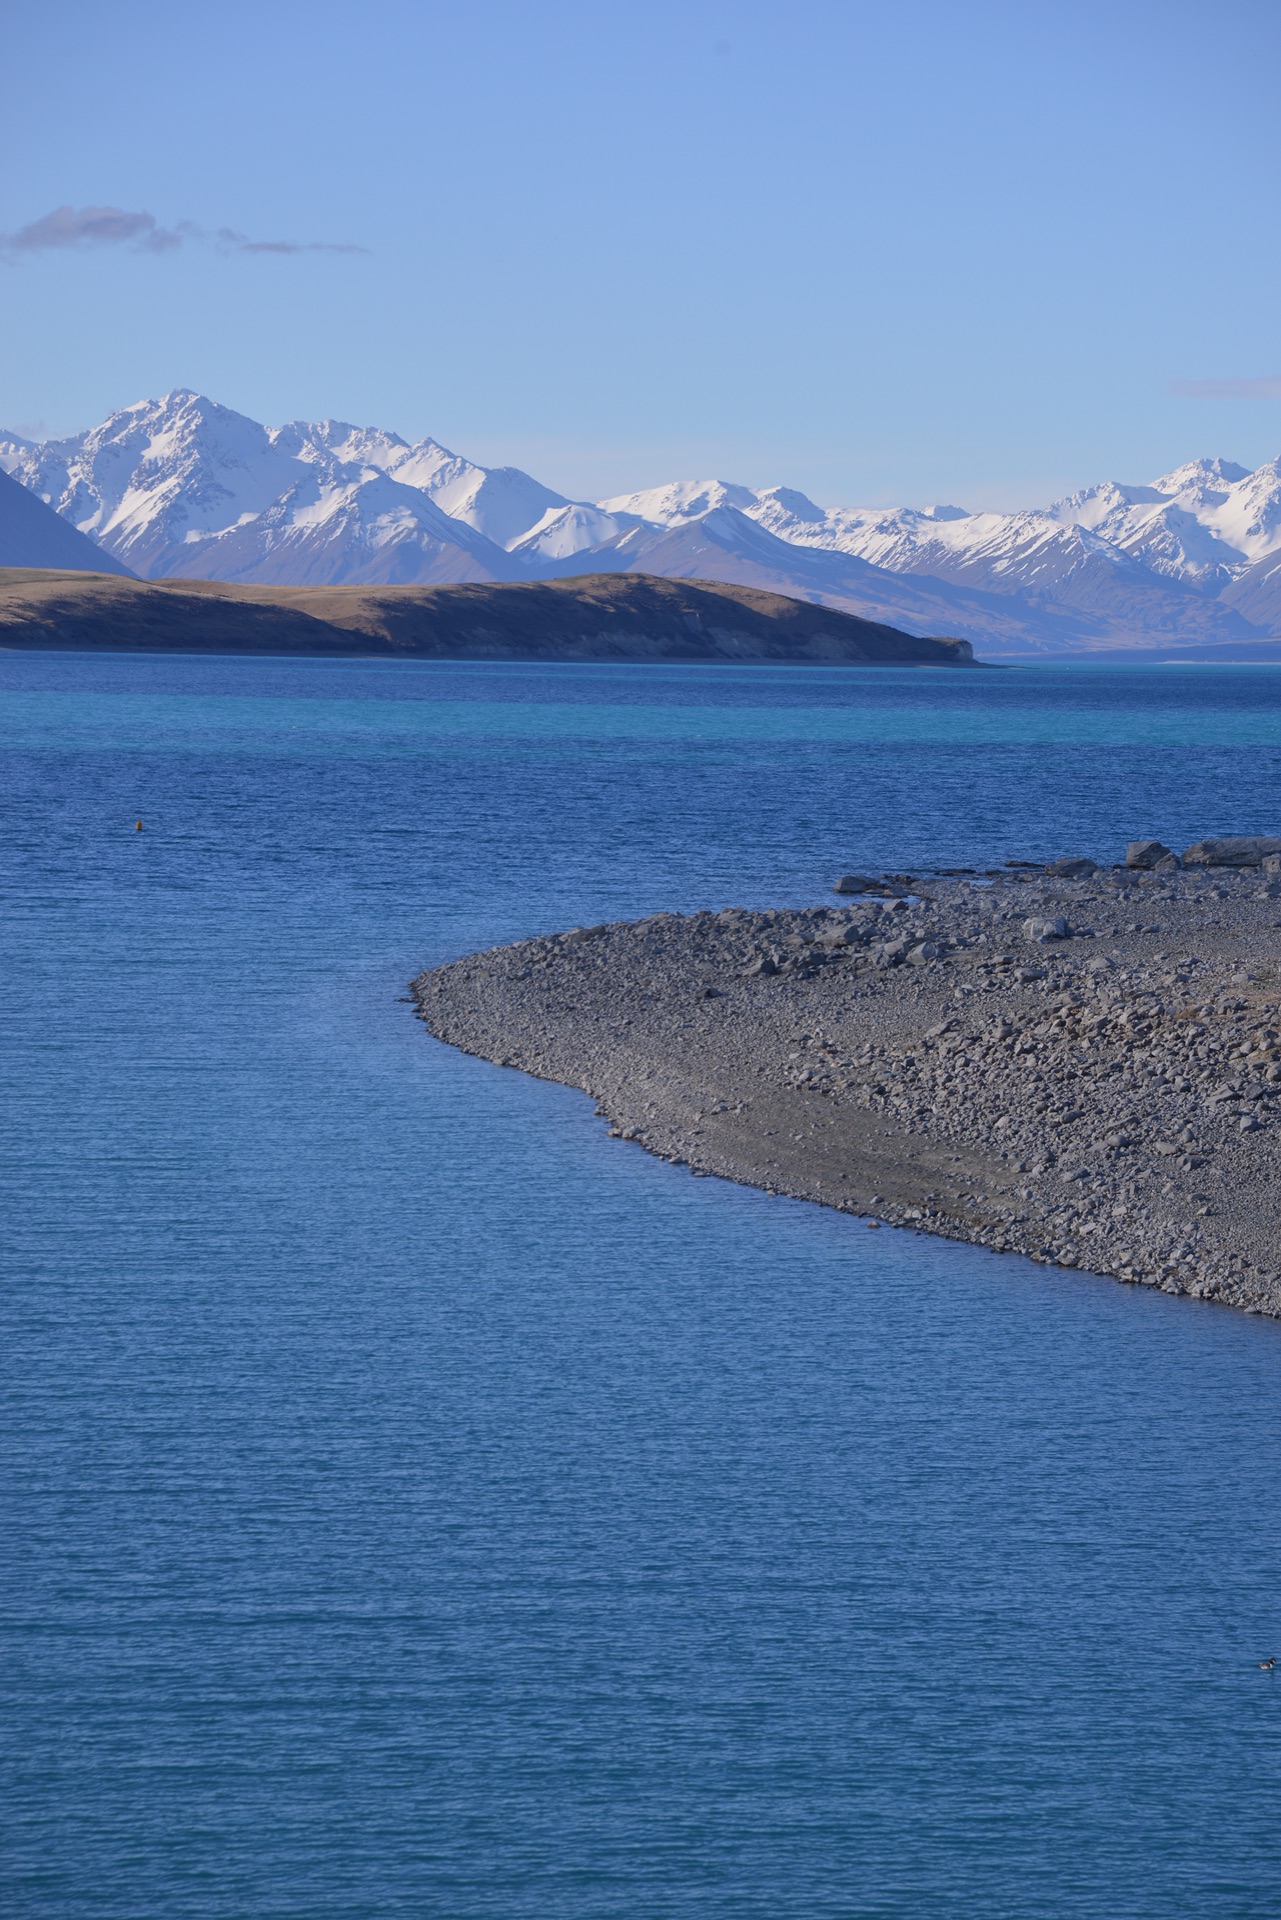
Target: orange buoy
{"points": [[137, 826]]}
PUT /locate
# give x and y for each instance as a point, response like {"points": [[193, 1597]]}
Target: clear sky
{"points": [[882, 252]]}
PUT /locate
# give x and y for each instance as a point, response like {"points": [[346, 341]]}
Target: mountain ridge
{"points": [[185, 487]]}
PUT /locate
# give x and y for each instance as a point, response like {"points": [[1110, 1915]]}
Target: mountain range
{"points": [[182, 487]]}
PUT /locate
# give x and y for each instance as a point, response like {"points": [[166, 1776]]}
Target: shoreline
{"points": [[1083, 1070]]}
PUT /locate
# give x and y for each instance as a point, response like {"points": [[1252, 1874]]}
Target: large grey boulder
{"points": [[855, 883], [1242, 850], [1146, 854], [1075, 867]]}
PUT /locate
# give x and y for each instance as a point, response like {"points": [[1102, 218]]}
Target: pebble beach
{"points": [[1076, 1063]]}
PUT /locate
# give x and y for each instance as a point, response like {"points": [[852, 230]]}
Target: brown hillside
{"points": [[594, 617]]}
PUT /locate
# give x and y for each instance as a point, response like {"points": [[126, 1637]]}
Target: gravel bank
{"points": [[1084, 1070]]}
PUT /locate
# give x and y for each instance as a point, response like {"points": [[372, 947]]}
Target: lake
{"points": [[419, 1504]]}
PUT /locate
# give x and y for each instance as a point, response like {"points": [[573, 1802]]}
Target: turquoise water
{"points": [[418, 1504]]}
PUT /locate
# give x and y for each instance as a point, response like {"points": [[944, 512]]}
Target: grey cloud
{"points": [[141, 232], [1266, 388], [232, 242], [93, 227]]}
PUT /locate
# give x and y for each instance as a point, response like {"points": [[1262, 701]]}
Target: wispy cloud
{"points": [[1266, 388], [81, 228], [227, 240]]}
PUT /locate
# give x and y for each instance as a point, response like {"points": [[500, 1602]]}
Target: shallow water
{"points": [[417, 1503]]}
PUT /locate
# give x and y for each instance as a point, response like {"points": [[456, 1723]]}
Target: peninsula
{"points": [[1076, 1064], [624, 617]]}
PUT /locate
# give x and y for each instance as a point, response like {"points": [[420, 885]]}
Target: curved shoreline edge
{"points": [[1084, 1071]]}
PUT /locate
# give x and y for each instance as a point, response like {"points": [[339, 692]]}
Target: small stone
{"points": [[855, 883], [1030, 973], [927, 950], [1044, 930]]}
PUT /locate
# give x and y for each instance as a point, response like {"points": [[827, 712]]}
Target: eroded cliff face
{"points": [[1083, 1070]]}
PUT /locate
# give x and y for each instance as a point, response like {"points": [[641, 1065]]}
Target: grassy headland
{"points": [[596, 617]]}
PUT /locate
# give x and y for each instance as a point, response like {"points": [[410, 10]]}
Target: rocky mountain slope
{"points": [[183, 487]]}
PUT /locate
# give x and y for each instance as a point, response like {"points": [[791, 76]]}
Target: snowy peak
{"points": [[1094, 505], [181, 485], [788, 500], [337, 441], [789, 514], [156, 475], [502, 502], [574, 528], [1202, 524], [1201, 478], [680, 500]]}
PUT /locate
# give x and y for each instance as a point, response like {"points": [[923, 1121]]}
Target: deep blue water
{"points": [[418, 1504]]}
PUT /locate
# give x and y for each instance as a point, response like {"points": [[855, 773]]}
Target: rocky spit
{"points": [[1080, 1065]]}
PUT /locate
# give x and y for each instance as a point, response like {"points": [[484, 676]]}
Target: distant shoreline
{"points": [[599, 618]]}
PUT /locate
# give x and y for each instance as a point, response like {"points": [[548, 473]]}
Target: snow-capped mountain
{"points": [[1228, 518], [501, 502], [183, 486], [1204, 524], [574, 528], [1120, 563]]}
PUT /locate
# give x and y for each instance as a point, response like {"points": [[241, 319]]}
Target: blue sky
{"points": [[880, 252]]}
